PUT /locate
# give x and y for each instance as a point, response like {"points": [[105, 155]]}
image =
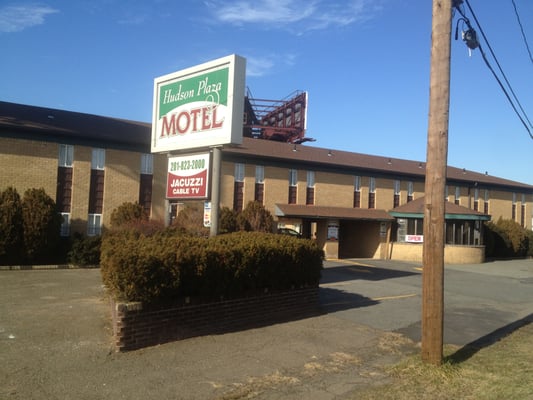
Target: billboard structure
{"points": [[280, 120], [199, 107]]}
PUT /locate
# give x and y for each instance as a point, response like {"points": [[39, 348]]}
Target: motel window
{"points": [[446, 193], [476, 199], [98, 159], [460, 232], [96, 191], [238, 187], [147, 164], [65, 224], [94, 225], [372, 193], [310, 191], [259, 183], [357, 192], [410, 230], [64, 177], [457, 195], [415, 226], [293, 182], [410, 191], [66, 155], [239, 172], [145, 182], [486, 202], [96, 186], [523, 211], [396, 199], [64, 189], [513, 208]]}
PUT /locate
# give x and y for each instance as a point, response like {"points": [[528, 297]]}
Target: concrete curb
{"points": [[44, 267]]}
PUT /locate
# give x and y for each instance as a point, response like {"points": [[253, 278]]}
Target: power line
{"points": [[501, 71], [470, 37], [522, 30]]}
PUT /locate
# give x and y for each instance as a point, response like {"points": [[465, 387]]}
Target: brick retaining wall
{"points": [[136, 326]]}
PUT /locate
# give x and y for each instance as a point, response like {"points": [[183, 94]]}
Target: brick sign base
{"points": [[136, 325]]}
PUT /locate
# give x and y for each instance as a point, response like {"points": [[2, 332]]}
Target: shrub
{"points": [[136, 267], [11, 230], [41, 224], [530, 243], [128, 213], [85, 250], [167, 265], [227, 220], [255, 217], [505, 238], [191, 220]]}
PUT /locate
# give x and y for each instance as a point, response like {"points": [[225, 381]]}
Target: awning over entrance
{"points": [[321, 212]]}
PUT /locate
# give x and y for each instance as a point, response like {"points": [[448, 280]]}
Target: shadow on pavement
{"points": [[470, 349], [355, 272], [332, 300]]}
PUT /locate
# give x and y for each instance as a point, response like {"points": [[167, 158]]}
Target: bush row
{"points": [[506, 238], [29, 227], [167, 265]]}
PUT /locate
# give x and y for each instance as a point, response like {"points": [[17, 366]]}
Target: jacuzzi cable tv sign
{"points": [[188, 177], [200, 106]]}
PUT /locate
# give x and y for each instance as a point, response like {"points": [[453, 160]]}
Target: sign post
{"points": [[215, 192]]}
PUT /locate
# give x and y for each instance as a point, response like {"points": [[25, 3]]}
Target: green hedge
{"points": [[166, 265]]}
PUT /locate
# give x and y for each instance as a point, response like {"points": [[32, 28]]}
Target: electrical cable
{"points": [[497, 62], [522, 30], [467, 21]]}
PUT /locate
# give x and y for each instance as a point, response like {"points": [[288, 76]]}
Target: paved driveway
{"points": [[55, 343], [55, 336], [479, 299]]}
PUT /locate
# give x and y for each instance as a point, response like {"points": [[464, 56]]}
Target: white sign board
{"points": [[200, 106]]}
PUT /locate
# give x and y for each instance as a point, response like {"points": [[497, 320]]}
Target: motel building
{"points": [[354, 205]]}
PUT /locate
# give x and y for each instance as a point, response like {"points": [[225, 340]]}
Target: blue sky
{"points": [[364, 63]]}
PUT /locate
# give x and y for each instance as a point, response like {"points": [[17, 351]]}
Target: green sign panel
{"points": [[211, 88]]}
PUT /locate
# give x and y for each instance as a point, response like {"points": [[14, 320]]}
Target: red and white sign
{"points": [[414, 238], [188, 177]]}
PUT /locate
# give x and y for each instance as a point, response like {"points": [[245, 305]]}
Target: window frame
{"points": [[239, 172], [64, 230], [98, 159], [66, 156], [147, 164], [94, 224]]}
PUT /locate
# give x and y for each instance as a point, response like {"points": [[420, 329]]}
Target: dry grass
{"points": [[502, 370]]}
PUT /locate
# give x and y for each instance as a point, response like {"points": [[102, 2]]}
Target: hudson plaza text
{"points": [[195, 119]]}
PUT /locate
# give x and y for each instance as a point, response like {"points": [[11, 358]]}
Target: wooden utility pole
{"points": [[437, 154]]}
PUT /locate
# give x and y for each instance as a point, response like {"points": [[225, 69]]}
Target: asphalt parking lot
{"points": [[55, 336], [479, 299]]}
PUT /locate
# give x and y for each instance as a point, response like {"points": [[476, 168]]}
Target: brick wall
{"points": [[136, 326], [27, 164]]}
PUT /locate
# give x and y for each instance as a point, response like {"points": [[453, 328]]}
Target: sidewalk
{"points": [[55, 341]]}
